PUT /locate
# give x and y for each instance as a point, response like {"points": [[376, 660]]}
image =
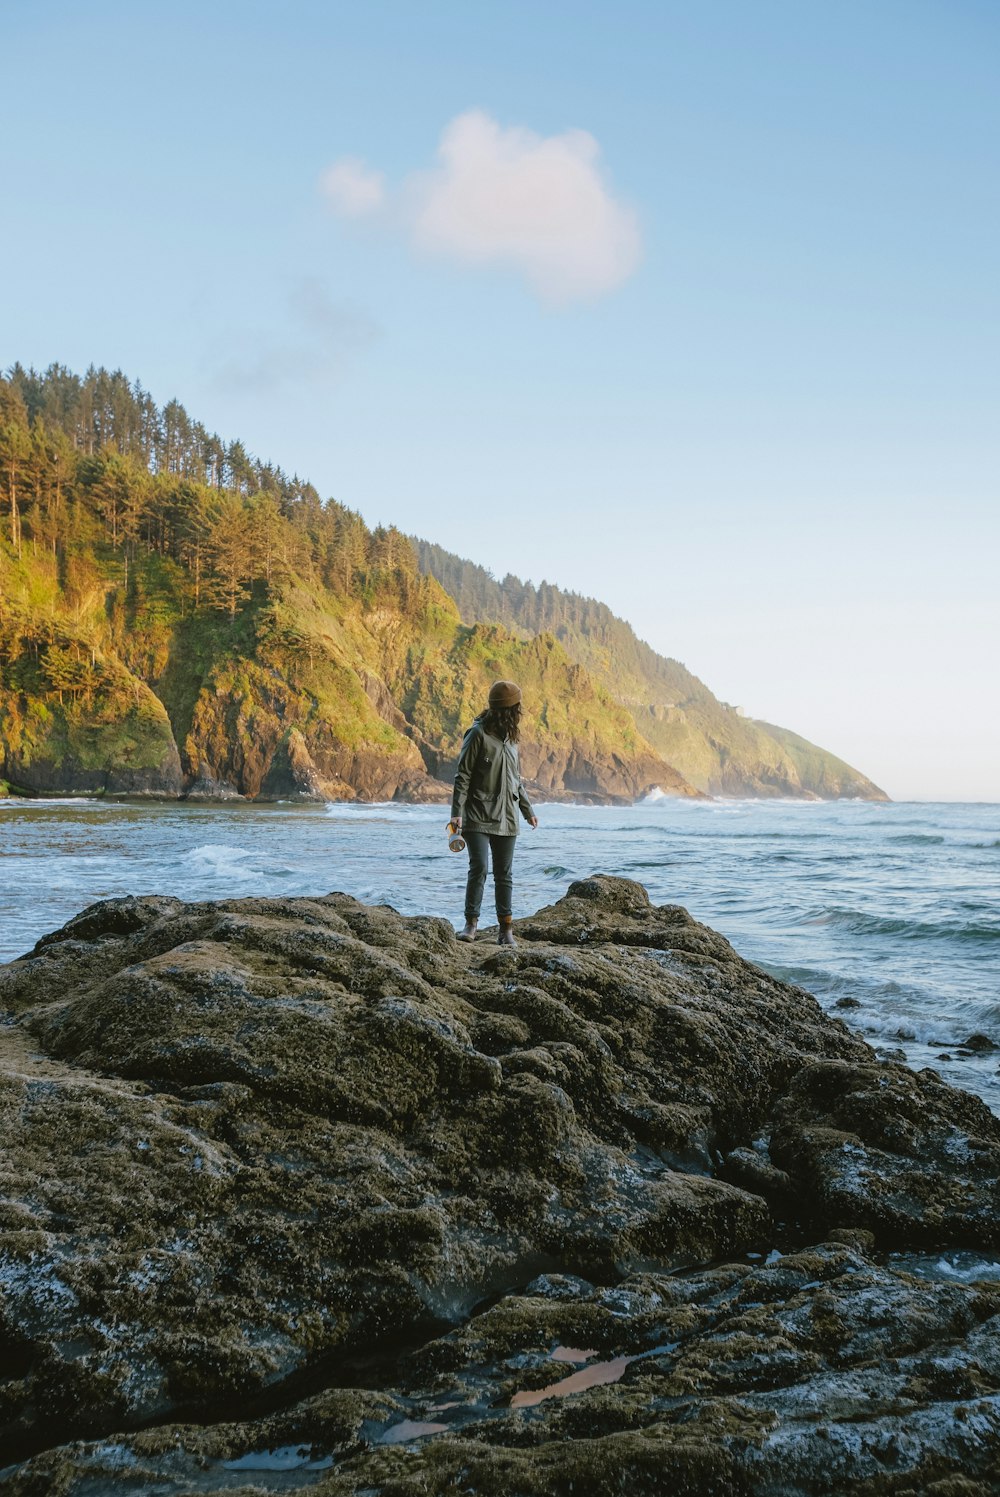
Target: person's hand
{"points": [[533, 822], [456, 822]]}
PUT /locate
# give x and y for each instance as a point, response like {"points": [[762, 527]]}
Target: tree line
{"points": [[91, 465]]}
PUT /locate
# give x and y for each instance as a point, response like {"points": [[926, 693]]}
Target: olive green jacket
{"points": [[488, 789]]}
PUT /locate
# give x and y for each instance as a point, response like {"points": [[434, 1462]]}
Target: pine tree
{"points": [[266, 534], [15, 456], [230, 550]]}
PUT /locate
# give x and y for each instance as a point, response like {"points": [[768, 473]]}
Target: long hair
{"points": [[503, 722]]}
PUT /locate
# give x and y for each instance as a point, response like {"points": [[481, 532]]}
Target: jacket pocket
{"points": [[482, 807]]}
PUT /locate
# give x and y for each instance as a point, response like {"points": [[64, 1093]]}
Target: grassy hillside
{"points": [[712, 745]]}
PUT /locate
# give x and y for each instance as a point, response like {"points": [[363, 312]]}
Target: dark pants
{"points": [[502, 850]]}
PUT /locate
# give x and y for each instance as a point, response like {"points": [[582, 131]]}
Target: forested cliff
{"points": [[177, 618]]}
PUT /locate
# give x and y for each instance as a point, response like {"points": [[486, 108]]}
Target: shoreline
{"points": [[15, 796], [833, 896]]}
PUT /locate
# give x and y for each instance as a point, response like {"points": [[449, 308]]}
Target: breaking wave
{"points": [[221, 860]]}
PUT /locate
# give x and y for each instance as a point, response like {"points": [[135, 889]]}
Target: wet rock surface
{"points": [[305, 1195]]}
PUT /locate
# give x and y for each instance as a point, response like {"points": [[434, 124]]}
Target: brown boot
{"points": [[506, 936], [469, 933]]}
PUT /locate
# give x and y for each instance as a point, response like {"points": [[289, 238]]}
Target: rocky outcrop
{"points": [[905, 1156], [106, 747], [306, 1195], [162, 781]]}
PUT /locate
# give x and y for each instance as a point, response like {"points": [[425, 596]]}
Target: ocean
{"points": [[889, 914]]}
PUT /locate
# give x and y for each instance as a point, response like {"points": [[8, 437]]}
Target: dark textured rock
{"points": [[899, 1153], [208, 787], [751, 1170], [821, 1373], [259, 1148], [159, 781]]}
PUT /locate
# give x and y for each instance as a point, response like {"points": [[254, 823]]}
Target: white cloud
{"points": [[508, 197], [536, 203], [352, 188]]}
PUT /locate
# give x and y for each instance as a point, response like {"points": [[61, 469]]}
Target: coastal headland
{"points": [[303, 1195], [180, 620]]}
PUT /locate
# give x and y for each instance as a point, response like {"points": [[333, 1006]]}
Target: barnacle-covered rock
{"points": [[265, 1161]]}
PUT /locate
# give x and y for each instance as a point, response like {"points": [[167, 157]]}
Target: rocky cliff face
{"points": [[309, 696], [302, 1195], [118, 743]]}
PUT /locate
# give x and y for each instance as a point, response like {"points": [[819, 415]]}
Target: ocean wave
{"points": [[877, 992], [893, 925], [215, 860], [944, 1029], [901, 821], [917, 839], [775, 836], [772, 802], [44, 802], [385, 810], [221, 860], [724, 838]]}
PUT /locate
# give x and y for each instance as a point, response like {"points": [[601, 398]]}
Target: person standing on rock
{"points": [[485, 803]]}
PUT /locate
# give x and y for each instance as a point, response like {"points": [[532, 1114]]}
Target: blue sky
{"points": [[766, 434]]}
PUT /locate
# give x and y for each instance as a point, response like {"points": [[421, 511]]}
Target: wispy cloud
{"points": [[351, 188], [323, 337], [508, 197]]}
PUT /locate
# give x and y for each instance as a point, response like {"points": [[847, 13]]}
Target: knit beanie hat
{"points": [[504, 694]]}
